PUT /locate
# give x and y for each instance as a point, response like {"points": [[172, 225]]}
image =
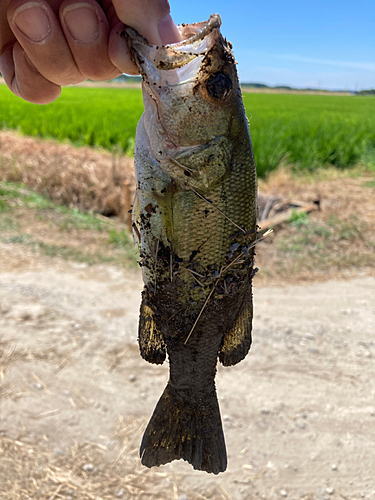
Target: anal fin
{"points": [[237, 341], [150, 338]]}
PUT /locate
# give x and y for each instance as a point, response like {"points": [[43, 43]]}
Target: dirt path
{"points": [[298, 413]]}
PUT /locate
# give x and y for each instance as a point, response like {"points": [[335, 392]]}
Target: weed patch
{"points": [[119, 239], [53, 230], [345, 229], [369, 184], [75, 219], [298, 218]]}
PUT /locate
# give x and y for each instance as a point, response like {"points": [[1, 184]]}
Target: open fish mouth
{"points": [[197, 39], [182, 80], [175, 64]]}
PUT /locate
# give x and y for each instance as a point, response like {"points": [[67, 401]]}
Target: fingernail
{"points": [[33, 21], [168, 31], [82, 22]]}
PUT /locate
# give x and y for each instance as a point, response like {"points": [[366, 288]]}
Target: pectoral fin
{"points": [[151, 342], [237, 341]]}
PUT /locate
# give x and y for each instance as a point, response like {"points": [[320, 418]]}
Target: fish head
{"points": [[190, 88]]}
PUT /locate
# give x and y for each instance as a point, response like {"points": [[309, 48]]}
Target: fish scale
{"points": [[198, 231], [195, 222]]}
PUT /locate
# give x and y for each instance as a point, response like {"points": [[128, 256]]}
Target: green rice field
{"points": [[307, 131], [85, 116]]}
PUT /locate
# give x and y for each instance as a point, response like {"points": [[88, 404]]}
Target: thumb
{"points": [[151, 18]]}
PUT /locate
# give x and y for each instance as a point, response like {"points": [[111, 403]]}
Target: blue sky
{"points": [[321, 44]]}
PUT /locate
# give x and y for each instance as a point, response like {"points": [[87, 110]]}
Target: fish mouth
{"points": [[191, 33], [170, 75], [197, 39]]}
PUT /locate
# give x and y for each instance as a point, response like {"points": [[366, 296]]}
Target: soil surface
{"points": [[298, 412]]}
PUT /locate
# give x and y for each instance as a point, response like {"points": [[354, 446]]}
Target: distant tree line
{"points": [[137, 79], [366, 92]]}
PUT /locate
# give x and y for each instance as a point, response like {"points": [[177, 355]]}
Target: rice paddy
{"points": [[306, 131]]}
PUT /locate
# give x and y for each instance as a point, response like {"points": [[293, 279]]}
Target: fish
{"points": [[195, 222]]}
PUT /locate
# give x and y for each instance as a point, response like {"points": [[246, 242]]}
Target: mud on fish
{"points": [[194, 218]]}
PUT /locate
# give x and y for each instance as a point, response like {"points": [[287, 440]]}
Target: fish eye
{"points": [[219, 85]]}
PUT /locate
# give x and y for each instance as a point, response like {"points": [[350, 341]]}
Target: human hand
{"points": [[46, 44]]}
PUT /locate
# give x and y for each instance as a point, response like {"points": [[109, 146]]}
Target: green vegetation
{"points": [[119, 239], [367, 92], [298, 218], [17, 195], [105, 117], [316, 237], [75, 219], [307, 131], [311, 131], [369, 184]]}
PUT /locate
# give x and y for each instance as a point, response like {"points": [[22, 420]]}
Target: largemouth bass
{"points": [[194, 218]]}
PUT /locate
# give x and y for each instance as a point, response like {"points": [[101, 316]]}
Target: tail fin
{"points": [[188, 430]]}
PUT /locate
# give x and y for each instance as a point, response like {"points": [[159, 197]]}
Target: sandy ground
{"points": [[298, 412]]}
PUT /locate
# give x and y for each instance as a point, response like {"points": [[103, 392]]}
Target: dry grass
{"points": [[30, 469], [88, 471], [337, 241], [91, 180], [11, 353]]}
